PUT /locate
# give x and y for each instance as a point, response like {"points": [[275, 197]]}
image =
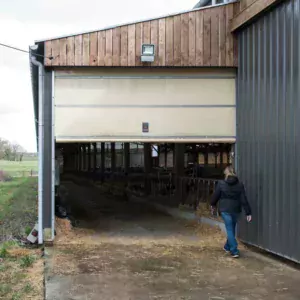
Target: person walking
{"points": [[230, 193]]}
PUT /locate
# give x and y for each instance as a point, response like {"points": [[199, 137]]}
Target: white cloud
{"points": [[22, 22]]}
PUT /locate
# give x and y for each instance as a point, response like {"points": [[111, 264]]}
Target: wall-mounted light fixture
{"points": [[148, 53]]}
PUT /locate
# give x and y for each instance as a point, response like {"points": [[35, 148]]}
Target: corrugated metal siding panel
{"points": [[268, 113]]}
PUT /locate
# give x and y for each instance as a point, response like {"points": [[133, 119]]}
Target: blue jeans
{"points": [[230, 220]]}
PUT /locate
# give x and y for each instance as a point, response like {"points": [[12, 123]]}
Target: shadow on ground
{"points": [[126, 250]]}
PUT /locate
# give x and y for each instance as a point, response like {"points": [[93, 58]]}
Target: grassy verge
{"points": [[21, 272], [18, 207], [17, 168], [21, 269]]}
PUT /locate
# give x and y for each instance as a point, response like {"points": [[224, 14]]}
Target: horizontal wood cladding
{"points": [[246, 10], [197, 38]]}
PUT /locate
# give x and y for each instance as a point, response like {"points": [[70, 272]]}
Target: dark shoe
{"points": [[236, 255]]}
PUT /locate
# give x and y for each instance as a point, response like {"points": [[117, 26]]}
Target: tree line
{"points": [[11, 151]]}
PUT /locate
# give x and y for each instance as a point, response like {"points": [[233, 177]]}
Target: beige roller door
{"points": [[197, 105]]}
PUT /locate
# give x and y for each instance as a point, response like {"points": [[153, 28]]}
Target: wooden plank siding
{"points": [[246, 10], [197, 38]]}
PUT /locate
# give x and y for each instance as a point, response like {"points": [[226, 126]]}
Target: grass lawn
{"points": [[18, 205], [21, 269], [17, 168]]}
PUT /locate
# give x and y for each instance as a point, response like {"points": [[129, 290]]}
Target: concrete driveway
{"points": [[125, 250]]}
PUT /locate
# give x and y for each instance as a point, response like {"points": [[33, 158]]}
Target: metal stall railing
{"points": [[196, 190], [192, 191]]}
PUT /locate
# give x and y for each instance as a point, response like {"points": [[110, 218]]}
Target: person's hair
{"points": [[229, 171]]}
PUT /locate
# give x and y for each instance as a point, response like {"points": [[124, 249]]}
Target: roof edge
{"points": [[135, 22]]}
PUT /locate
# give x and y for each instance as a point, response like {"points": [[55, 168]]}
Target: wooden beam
{"points": [[138, 43], [108, 49], [199, 38], [55, 53], [116, 46], [48, 53], [222, 36], [101, 47], [169, 41], [162, 42], [71, 51], [131, 45], [206, 39], [214, 61], [229, 37], [154, 40], [86, 49], [250, 12], [184, 40], [93, 49], [78, 50], [192, 39], [146, 32], [124, 46], [177, 41]]}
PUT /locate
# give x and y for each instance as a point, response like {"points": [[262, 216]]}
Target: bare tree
{"points": [[5, 149], [11, 151]]}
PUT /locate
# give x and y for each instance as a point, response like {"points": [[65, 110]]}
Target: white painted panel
{"points": [[127, 122], [144, 91], [89, 107]]}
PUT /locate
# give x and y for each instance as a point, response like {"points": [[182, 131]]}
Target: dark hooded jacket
{"points": [[230, 194]]}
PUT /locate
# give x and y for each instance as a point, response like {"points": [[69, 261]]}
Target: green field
{"points": [[18, 215], [18, 204], [17, 168]]}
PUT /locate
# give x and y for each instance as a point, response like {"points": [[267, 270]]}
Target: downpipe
{"points": [[40, 147]]}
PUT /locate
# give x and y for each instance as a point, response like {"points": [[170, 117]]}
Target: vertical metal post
{"points": [[126, 157], [113, 157], [206, 155], [40, 155], [179, 168], [95, 156], [79, 157], [102, 160], [84, 157], [89, 157], [221, 157], [173, 152], [194, 150], [147, 166], [216, 159], [166, 156], [53, 158]]}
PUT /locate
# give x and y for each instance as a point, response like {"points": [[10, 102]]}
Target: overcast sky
{"points": [[23, 22]]}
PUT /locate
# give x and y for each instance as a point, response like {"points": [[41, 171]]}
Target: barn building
{"points": [[182, 95]]}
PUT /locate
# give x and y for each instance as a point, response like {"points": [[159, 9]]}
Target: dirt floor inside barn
{"points": [[129, 250]]}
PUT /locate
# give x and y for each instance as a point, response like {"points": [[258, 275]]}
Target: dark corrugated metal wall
{"points": [[268, 125]]}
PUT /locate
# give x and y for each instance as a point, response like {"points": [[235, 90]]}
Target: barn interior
{"points": [[170, 174]]}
